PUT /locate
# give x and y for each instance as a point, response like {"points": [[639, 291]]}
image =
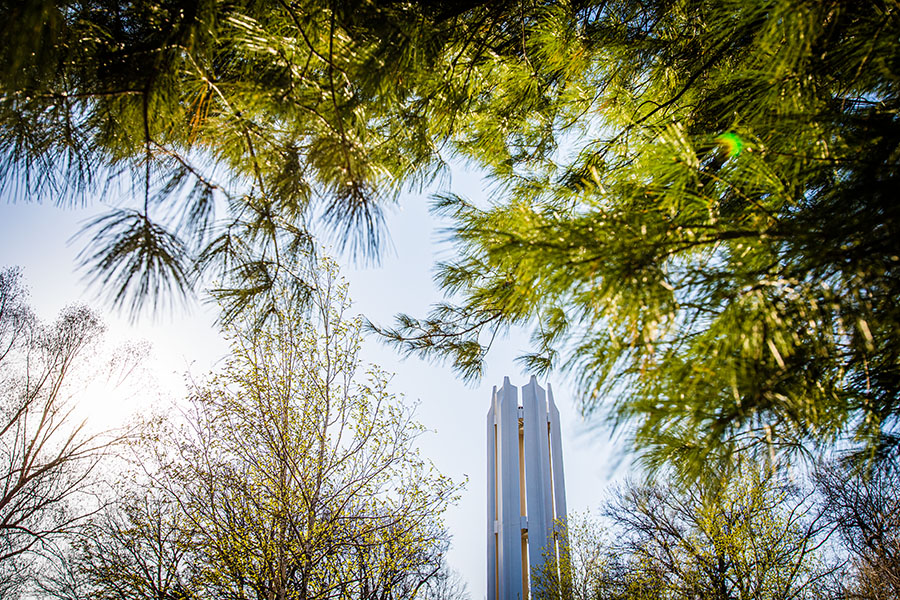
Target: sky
{"points": [[184, 341]]}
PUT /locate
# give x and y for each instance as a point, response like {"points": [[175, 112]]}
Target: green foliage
{"points": [[752, 537], [135, 549], [132, 252], [293, 475], [236, 124], [692, 202], [696, 220], [580, 570]]}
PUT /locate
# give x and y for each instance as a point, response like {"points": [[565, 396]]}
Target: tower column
{"points": [[526, 489]]}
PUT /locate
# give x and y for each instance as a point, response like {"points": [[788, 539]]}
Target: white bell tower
{"points": [[526, 488]]}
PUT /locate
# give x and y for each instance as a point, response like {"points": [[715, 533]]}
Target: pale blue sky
{"points": [[37, 238]]}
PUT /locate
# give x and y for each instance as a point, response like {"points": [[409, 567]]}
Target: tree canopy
{"points": [[865, 510], [692, 201], [292, 473], [234, 123], [753, 535], [711, 251], [50, 456]]}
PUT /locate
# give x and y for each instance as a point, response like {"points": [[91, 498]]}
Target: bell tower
{"points": [[526, 497]]}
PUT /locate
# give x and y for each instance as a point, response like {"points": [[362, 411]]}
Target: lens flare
{"points": [[731, 143]]}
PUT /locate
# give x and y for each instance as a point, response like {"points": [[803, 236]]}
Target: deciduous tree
{"points": [[583, 568], [864, 505], [754, 537], [293, 474], [47, 453]]}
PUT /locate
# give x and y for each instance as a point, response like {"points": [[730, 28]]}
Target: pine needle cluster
{"points": [[695, 215], [693, 201]]}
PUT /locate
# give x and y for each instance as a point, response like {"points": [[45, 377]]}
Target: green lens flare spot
{"points": [[731, 143]]}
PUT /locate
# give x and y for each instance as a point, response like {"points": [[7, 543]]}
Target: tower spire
{"points": [[526, 488]]}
